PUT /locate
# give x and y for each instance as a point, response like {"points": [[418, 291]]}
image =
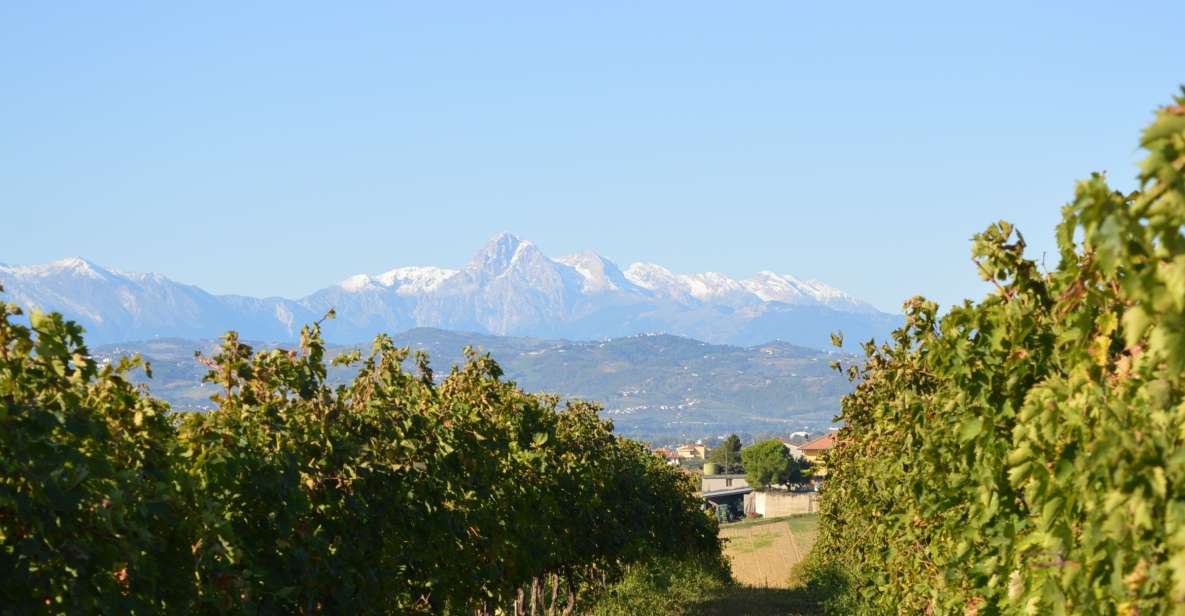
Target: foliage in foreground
{"points": [[393, 494], [691, 587], [666, 586], [1026, 454]]}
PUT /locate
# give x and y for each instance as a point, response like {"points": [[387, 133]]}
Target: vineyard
{"points": [[1026, 454], [398, 492]]}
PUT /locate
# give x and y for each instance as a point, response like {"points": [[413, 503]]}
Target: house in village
{"points": [[668, 455], [813, 451], [697, 451]]}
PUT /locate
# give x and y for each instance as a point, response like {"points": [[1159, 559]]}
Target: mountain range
{"points": [[508, 288]]}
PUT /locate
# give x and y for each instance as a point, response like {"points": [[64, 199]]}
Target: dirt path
{"points": [[763, 554]]}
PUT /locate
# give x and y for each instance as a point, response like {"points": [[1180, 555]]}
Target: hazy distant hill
{"points": [[651, 385], [509, 287]]}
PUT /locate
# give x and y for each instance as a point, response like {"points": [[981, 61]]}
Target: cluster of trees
{"points": [[770, 463], [396, 493], [764, 464], [728, 455], [1026, 454]]}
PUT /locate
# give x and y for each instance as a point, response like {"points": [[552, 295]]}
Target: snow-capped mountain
{"points": [[509, 287], [600, 274], [785, 288], [401, 280], [115, 306], [711, 287]]}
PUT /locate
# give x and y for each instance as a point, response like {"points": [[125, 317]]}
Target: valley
{"points": [[655, 387]]}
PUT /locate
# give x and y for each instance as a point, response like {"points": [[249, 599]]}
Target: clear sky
{"points": [[275, 148]]}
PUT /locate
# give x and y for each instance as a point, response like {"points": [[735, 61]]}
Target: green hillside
{"points": [[651, 386]]}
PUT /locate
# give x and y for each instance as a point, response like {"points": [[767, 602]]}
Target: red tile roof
{"points": [[823, 443]]}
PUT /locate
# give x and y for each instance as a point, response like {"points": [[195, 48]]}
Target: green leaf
{"points": [[970, 429]]}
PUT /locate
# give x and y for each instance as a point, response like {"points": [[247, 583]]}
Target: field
{"points": [[763, 552]]}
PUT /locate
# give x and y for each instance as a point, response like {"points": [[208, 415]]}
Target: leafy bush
{"points": [[1026, 454], [393, 494], [664, 586], [93, 506]]}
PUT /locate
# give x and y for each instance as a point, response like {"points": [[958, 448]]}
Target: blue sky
{"points": [[275, 148]]}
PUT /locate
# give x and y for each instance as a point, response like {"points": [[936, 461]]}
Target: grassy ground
{"points": [[748, 601], [762, 553], [690, 589], [747, 522]]}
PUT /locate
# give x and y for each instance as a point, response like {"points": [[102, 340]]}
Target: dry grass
{"points": [[762, 555]]}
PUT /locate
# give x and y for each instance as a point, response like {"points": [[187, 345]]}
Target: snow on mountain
{"points": [[402, 280], [833, 297], [658, 279], [712, 287], [414, 280], [114, 306], [599, 274], [785, 288], [509, 287], [708, 287], [358, 283], [506, 255], [70, 266], [771, 287]]}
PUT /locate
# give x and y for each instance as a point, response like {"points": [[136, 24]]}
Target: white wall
{"points": [[773, 504]]}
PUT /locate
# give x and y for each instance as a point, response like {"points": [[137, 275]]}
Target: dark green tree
{"points": [[768, 463], [728, 455]]}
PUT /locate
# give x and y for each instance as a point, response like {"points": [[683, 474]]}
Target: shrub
{"points": [[1026, 454], [392, 494], [93, 505]]}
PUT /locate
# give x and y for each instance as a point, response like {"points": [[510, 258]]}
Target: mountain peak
{"points": [[651, 276], [500, 253], [772, 287], [505, 236], [599, 273], [356, 283], [73, 262], [76, 266]]}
